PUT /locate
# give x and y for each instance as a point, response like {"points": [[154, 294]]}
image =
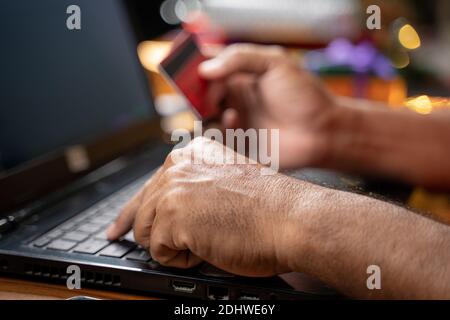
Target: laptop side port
{"points": [[183, 286], [218, 293]]}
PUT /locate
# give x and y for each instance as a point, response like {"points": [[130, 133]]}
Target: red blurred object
{"points": [[180, 68], [206, 32]]}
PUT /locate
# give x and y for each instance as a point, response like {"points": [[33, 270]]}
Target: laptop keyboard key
{"points": [[41, 242], [101, 235], [91, 212], [93, 222], [110, 218], [76, 236], [89, 228], [68, 226], [139, 255], [111, 213], [56, 233], [118, 249], [100, 220], [91, 246], [61, 245], [80, 218]]}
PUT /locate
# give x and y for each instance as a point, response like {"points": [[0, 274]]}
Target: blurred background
{"points": [[405, 63]]}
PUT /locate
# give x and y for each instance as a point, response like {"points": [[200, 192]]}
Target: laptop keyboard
{"points": [[86, 233]]}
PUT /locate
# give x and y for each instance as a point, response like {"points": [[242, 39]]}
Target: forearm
{"points": [[392, 143], [336, 236]]}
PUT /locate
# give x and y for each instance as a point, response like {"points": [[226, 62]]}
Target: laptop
{"points": [[78, 137]]}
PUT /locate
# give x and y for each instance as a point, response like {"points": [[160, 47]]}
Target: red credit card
{"points": [[180, 68]]}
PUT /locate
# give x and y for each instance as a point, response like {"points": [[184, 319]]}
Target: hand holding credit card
{"points": [[180, 68]]}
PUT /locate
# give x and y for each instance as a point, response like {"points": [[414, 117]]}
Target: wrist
{"points": [[309, 232], [293, 236], [341, 134]]}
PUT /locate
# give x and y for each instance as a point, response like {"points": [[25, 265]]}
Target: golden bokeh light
{"points": [[421, 104], [151, 53], [425, 104], [408, 37]]}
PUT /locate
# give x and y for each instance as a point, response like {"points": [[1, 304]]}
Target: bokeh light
{"points": [[151, 53], [421, 104], [408, 37]]}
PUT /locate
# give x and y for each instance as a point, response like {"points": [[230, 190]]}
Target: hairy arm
{"points": [[336, 235], [260, 225], [396, 143]]}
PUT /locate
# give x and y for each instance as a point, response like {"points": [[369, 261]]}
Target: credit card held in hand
{"points": [[180, 68]]}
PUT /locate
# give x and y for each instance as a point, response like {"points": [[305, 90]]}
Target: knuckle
{"points": [[172, 173], [162, 259], [199, 143], [170, 202], [178, 156], [199, 140], [278, 51], [244, 47], [177, 171], [197, 146], [234, 49], [280, 57], [237, 51], [173, 205]]}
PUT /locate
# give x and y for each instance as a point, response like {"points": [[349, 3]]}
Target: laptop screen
{"points": [[61, 87]]}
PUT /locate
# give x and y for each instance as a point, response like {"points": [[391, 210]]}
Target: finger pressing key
{"points": [[125, 220]]}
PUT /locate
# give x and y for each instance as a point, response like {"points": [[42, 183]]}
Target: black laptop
{"points": [[78, 137]]}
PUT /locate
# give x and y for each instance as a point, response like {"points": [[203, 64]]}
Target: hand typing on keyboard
{"points": [[230, 216]]}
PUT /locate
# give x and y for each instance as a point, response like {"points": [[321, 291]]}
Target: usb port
{"points": [[183, 286]]}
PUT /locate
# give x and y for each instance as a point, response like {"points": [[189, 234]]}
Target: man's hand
{"points": [[261, 87], [256, 225], [228, 215]]}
